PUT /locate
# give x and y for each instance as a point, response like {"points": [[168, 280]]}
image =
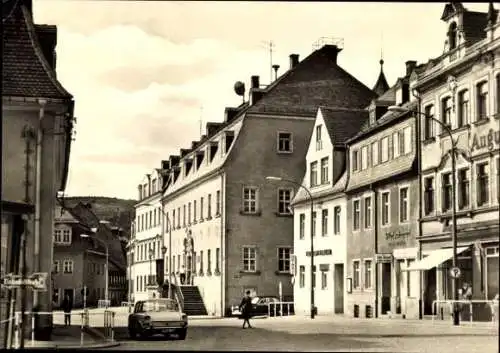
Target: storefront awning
{"points": [[434, 258]]}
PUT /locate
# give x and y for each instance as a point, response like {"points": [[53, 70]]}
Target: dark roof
{"points": [[474, 24], [388, 96], [315, 81], [26, 72], [381, 86], [342, 124]]}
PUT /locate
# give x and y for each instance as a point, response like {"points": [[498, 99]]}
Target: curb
{"points": [[78, 347]]}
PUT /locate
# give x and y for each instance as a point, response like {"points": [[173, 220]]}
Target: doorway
{"points": [[70, 294], [338, 288], [430, 290], [385, 294]]}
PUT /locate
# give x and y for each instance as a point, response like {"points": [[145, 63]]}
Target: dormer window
{"points": [[452, 36], [187, 166], [213, 150], [153, 186], [319, 143], [199, 158], [229, 140]]}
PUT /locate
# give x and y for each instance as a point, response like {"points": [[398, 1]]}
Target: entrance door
{"points": [[339, 288], [386, 288], [69, 293], [189, 269], [430, 290]]}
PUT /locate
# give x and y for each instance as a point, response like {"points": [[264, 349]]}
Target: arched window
{"points": [[452, 35]]}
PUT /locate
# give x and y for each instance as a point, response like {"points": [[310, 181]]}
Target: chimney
{"points": [[165, 164], [410, 65], [275, 68], [294, 60], [255, 82]]}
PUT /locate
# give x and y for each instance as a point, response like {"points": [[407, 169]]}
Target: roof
{"points": [[474, 24], [315, 81], [25, 70], [381, 86], [342, 123], [337, 188]]}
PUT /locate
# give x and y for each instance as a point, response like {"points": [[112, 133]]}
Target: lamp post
{"points": [[394, 108], [151, 253], [94, 230], [163, 252], [274, 178]]}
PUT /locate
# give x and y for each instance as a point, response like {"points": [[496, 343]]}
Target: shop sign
{"points": [[488, 140], [37, 281], [320, 252], [383, 258], [397, 238]]}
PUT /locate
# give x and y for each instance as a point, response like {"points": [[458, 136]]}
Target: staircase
{"points": [[193, 302]]}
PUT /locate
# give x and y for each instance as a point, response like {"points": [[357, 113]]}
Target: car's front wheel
{"points": [[182, 333]]}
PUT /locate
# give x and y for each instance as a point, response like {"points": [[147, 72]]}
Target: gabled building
{"points": [[382, 208], [230, 227], [37, 119], [461, 88], [325, 179]]}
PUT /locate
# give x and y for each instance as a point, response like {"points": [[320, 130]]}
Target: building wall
{"points": [[251, 161]]}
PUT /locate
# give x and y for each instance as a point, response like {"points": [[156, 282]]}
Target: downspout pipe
{"points": [[38, 181], [221, 269], [375, 245]]}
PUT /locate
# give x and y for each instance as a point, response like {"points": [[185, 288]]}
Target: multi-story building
{"points": [[230, 227], [80, 259], [461, 88], [147, 240], [325, 179], [382, 208], [37, 116]]}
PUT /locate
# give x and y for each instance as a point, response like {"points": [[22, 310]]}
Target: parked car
{"points": [[261, 306], [157, 316]]}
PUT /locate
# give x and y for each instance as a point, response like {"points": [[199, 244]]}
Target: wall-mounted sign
{"points": [[383, 258], [398, 236], [37, 281], [488, 140], [320, 252]]}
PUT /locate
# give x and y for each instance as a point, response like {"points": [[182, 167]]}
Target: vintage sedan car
{"points": [[157, 316], [260, 306]]}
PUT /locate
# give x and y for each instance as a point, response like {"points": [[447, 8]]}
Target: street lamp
{"points": [[398, 109], [151, 254], [274, 178], [94, 231]]}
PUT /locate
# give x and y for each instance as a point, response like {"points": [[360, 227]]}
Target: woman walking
{"points": [[246, 309]]}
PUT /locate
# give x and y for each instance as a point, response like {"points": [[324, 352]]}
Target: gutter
{"points": [[223, 273]]}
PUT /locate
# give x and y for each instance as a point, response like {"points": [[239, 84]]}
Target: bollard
{"points": [[81, 329], [112, 326], [17, 343], [32, 328], [274, 304]]}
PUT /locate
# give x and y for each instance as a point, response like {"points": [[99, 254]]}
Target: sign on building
{"points": [[37, 281]]}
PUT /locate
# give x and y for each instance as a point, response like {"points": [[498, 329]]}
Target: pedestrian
{"points": [[67, 305], [246, 309], [183, 275]]}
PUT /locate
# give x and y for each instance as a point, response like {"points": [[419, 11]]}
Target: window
{"points": [[324, 170], [55, 266], [201, 209], [209, 261], [482, 100], [446, 111], [452, 35], [384, 149], [314, 174], [154, 217], [209, 206], [428, 122], [375, 159], [284, 198], [355, 218], [385, 208], [324, 279], [403, 205], [284, 142], [319, 144], [184, 215], [173, 219], [194, 211], [368, 274], [498, 93], [463, 108], [217, 203], [284, 259], [368, 212], [428, 195], [314, 224], [336, 220], [446, 192], [463, 188], [201, 262], [498, 178], [249, 200], [313, 273], [355, 161], [355, 274], [407, 142], [302, 276], [217, 260], [482, 184], [364, 157], [396, 146], [302, 225], [68, 266], [324, 223], [57, 236], [189, 212], [249, 259], [178, 217]]}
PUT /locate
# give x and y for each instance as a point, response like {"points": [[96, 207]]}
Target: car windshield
{"points": [[255, 300], [161, 305]]}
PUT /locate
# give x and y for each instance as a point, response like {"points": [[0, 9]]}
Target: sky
{"points": [[144, 73]]}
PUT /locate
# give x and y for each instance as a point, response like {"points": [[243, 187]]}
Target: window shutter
{"points": [[390, 147]]}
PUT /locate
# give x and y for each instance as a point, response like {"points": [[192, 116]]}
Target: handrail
{"points": [[451, 302], [288, 304]]}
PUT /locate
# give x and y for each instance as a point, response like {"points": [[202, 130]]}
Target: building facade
{"points": [[382, 208], [229, 227], [147, 238], [461, 89], [34, 162]]}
